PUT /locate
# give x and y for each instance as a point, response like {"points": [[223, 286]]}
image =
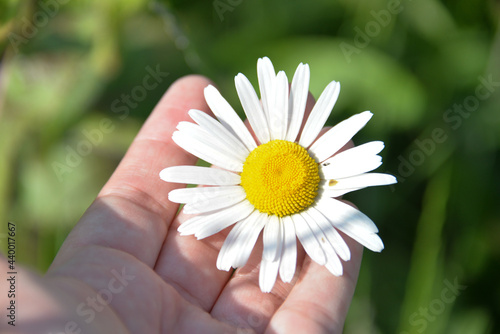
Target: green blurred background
{"points": [[429, 71]]}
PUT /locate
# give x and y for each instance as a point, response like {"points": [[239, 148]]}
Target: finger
{"points": [[319, 301], [132, 212]]}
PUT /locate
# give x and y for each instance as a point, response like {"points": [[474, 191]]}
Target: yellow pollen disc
{"points": [[280, 178]]}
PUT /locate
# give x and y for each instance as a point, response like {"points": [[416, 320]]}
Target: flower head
{"points": [[285, 183]]}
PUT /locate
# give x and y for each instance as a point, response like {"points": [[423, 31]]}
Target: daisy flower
{"points": [[284, 183]]}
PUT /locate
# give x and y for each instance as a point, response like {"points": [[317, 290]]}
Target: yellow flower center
{"points": [[280, 178]]}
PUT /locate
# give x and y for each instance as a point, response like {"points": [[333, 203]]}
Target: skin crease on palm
{"points": [[125, 269]]}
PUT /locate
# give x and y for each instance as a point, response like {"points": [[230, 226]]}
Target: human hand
{"points": [[125, 269]]}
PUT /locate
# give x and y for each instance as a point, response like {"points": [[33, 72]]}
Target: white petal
{"points": [[308, 240], [202, 194], [342, 168], [268, 274], [331, 234], [196, 224], [207, 152], [352, 222], [239, 243], [333, 140], [319, 114], [289, 256], [272, 238], [217, 202], [199, 175], [333, 264], [278, 114], [267, 77], [247, 239], [362, 181], [228, 117], [207, 139], [226, 218], [357, 160], [191, 225], [297, 101], [370, 148], [370, 240], [332, 260], [251, 106], [269, 271], [217, 129], [336, 192], [227, 251], [353, 183], [346, 215]]}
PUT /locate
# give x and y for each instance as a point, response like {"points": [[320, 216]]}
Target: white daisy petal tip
{"points": [[171, 197], [338, 271], [221, 267], [209, 89], [391, 179], [165, 175], [347, 256], [366, 112], [181, 231], [240, 76], [268, 274], [378, 244], [264, 61], [194, 112], [378, 146]]}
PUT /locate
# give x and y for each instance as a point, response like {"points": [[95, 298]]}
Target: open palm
{"points": [[125, 269]]}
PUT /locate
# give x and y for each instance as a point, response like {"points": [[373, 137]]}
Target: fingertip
{"points": [[195, 81]]}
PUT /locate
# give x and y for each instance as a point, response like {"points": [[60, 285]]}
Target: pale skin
{"points": [[125, 269]]}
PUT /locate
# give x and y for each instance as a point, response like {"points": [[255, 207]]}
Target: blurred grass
{"points": [[426, 269], [60, 79]]}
